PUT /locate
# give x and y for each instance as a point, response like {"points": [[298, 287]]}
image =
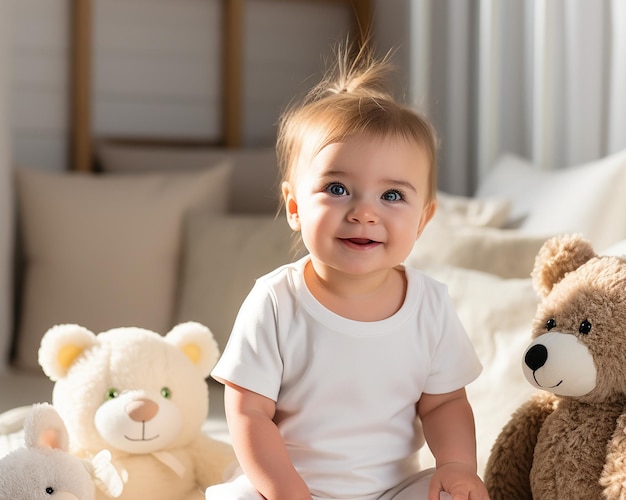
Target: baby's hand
{"points": [[456, 481]]}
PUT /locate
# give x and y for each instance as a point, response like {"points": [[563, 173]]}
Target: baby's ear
{"points": [[291, 207], [61, 346], [427, 214], [197, 343]]}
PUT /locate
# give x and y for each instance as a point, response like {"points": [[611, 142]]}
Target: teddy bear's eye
{"points": [[550, 324], [166, 392], [112, 393], [585, 327], [49, 490]]}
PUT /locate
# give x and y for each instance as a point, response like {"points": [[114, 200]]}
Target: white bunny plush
{"points": [[43, 469]]}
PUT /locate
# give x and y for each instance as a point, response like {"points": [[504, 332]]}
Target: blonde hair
{"points": [[351, 99]]}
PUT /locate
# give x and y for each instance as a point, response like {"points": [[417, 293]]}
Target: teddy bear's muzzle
{"points": [[560, 363]]}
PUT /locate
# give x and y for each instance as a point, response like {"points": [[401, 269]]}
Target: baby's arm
{"points": [[259, 446], [448, 424]]}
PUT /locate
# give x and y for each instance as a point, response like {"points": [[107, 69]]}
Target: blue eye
{"points": [[336, 189], [392, 195]]}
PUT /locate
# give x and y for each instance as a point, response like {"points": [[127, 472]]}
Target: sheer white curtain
{"points": [[543, 79], [6, 194]]}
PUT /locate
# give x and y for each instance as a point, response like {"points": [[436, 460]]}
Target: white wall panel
{"points": [[40, 25], [284, 49], [157, 68], [47, 150], [39, 82], [154, 118]]}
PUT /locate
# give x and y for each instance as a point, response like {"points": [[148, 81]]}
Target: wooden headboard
{"points": [[81, 150]]}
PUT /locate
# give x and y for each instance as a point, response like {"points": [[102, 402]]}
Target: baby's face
{"points": [[360, 204]]}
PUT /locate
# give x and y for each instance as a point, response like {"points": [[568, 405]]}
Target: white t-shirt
{"points": [[345, 390]]}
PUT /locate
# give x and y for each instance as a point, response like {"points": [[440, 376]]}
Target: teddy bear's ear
{"points": [[44, 428], [60, 346], [557, 257], [198, 344]]}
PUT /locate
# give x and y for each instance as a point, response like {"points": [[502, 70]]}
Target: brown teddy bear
{"points": [[569, 442]]}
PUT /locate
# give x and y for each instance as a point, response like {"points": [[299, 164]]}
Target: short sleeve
{"points": [[252, 358], [454, 363]]}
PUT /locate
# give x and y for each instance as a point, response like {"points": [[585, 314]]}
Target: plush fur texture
{"points": [[143, 397], [44, 469], [570, 441]]}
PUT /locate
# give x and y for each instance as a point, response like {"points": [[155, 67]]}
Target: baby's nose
{"points": [[363, 213]]}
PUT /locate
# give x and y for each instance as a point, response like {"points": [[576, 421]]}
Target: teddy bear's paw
{"points": [[106, 476]]}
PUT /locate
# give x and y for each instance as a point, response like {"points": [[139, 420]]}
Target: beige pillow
{"points": [[497, 314], [465, 232], [222, 257], [467, 211], [507, 253], [254, 186], [103, 250]]}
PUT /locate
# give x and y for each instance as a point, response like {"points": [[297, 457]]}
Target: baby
{"points": [[336, 358]]}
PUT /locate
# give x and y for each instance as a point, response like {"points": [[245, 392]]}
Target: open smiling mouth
{"points": [[360, 241]]}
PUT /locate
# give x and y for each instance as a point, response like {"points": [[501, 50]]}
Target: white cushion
{"points": [[587, 199], [103, 250], [618, 249], [497, 314], [222, 257]]}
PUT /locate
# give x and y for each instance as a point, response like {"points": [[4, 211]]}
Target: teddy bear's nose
{"points": [[142, 410], [536, 357]]}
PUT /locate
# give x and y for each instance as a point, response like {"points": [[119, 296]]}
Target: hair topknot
{"points": [[354, 70]]}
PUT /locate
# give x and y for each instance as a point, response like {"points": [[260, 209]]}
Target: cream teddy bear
{"points": [[143, 397]]}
